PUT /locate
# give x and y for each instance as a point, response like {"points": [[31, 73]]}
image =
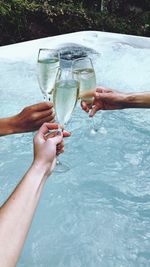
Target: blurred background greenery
{"points": [[22, 20]]}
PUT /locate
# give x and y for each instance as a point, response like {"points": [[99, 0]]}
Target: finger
{"points": [[41, 106], [93, 111], [46, 127], [48, 119], [60, 152], [57, 139], [84, 106], [66, 134], [50, 135], [102, 89], [53, 121], [59, 146], [102, 96], [87, 94], [43, 114], [53, 134]]}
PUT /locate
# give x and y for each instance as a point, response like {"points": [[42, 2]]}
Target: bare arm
{"points": [[137, 100], [17, 212], [108, 99], [29, 119]]}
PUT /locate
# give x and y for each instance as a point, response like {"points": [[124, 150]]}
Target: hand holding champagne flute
{"points": [[48, 65], [65, 98]]}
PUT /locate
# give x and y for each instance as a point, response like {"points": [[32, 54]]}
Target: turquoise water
{"points": [[98, 213]]}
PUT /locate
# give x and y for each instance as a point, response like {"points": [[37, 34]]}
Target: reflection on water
{"points": [[97, 214]]}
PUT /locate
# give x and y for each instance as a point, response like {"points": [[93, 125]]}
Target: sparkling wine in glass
{"points": [[48, 64], [65, 98], [83, 72]]}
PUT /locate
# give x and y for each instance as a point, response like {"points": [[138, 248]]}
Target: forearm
{"points": [[8, 126], [17, 213], [137, 100]]}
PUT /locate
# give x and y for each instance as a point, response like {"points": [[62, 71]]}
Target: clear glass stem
{"points": [[93, 126], [61, 166], [58, 162]]}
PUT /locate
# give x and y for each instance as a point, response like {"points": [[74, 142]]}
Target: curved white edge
{"points": [[92, 39]]}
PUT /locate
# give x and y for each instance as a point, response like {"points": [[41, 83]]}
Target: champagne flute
{"points": [[65, 98], [48, 65], [83, 72]]}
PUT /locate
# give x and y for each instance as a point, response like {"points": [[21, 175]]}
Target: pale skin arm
{"points": [[17, 212], [29, 119], [108, 99]]}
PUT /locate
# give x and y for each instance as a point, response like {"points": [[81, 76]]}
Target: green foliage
{"points": [[22, 20], [13, 18]]}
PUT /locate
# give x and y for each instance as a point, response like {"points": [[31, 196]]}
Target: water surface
{"points": [[98, 213]]}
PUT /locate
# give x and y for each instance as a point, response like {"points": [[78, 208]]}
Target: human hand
{"points": [[104, 99], [32, 117], [48, 145]]}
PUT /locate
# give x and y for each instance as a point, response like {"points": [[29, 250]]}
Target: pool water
{"points": [[98, 213]]}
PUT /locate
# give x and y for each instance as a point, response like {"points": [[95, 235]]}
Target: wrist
{"points": [[16, 124], [43, 169], [128, 100], [135, 100], [8, 125]]}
